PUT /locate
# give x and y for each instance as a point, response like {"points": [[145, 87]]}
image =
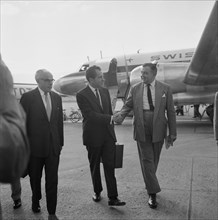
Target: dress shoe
{"points": [[96, 197], [52, 217], [36, 207], [17, 203], [152, 201], [115, 202]]}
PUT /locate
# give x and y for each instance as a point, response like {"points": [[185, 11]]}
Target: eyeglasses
{"points": [[48, 80]]}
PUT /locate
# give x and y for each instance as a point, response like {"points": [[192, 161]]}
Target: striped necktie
{"points": [[48, 105]]}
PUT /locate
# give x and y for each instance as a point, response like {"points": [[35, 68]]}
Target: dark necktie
{"points": [[97, 96], [150, 97], [48, 106]]}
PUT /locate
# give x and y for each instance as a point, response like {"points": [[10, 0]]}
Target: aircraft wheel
{"points": [[209, 111]]}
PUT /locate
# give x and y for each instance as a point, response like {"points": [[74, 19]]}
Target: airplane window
{"points": [[84, 67]]}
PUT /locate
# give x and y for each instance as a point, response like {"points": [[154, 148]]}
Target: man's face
{"points": [[98, 81], [148, 75], [45, 81]]}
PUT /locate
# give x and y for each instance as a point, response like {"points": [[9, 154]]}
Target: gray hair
{"points": [[40, 73]]}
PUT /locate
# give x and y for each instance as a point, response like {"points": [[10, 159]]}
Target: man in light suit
{"points": [[43, 109], [150, 101], [98, 134], [215, 117]]}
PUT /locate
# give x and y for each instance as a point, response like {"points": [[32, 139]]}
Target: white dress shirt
{"points": [[93, 90], [146, 105], [42, 93]]}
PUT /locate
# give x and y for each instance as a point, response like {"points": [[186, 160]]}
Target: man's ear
{"points": [[90, 80]]}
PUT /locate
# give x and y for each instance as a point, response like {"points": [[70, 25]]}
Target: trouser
{"points": [[16, 189], [107, 153], [50, 164], [149, 155]]}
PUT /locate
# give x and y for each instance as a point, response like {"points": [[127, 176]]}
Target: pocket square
{"points": [[163, 95]]}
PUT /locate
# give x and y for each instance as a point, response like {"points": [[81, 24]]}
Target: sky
{"points": [[61, 35]]}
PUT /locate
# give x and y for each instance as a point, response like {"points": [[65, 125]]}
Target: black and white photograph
{"points": [[108, 110]]}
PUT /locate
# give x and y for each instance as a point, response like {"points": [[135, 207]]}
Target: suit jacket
{"points": [[163, 104], [41, 132], [215, 122], [96, 120]]}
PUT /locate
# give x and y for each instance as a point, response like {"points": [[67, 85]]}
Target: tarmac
{"points": [[187, 174]]}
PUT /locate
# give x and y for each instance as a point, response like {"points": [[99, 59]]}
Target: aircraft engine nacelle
{"points": [[71, 83], [20, 88], [135, 75], [170, 73]]}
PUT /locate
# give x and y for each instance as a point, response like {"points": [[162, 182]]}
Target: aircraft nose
{"points": [[71, 83]]}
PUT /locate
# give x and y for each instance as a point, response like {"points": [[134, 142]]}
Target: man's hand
{"points": [[117, 118], [172, 138]]}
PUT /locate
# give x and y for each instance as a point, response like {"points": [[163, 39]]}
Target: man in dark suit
{"points": [[98, 134], [43, 109], [153, 108]]}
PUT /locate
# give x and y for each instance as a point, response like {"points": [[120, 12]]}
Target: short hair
{"points": [[91, 72], [39, 73], [153, 66]]}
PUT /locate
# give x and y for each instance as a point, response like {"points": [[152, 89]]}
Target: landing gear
{"points": [[209, 110], [197, 114]]}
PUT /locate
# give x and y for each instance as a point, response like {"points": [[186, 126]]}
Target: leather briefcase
{"points": [[119, 155]]}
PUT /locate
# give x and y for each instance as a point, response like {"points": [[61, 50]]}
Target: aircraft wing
{"points": [[203, 69]]}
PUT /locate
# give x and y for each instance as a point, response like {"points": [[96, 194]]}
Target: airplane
{"points": [[191, 73], [20, 88]]}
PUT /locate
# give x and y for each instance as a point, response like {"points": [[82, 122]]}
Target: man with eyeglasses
{"points": [[43, 109]]}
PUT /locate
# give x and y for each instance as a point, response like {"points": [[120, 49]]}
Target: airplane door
{"points": [[111, 81]]}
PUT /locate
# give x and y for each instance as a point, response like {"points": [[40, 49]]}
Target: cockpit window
{"points": [[84, 67]]}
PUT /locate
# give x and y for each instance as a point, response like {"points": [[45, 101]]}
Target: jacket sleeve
{"points": [[171, 115], [128, 106], [14, 147], [60, 124]]}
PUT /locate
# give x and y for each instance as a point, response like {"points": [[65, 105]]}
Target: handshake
{"points": [[117, 118]]}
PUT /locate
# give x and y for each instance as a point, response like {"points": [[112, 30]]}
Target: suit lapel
{"points": [[92, 97], [52, 104], [139, 100], [104, 99], [158, 96], [38, 99]]}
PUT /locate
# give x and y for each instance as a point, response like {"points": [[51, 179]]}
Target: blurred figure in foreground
{"points": [[16, 193], [215, 118], [14, 148]]}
